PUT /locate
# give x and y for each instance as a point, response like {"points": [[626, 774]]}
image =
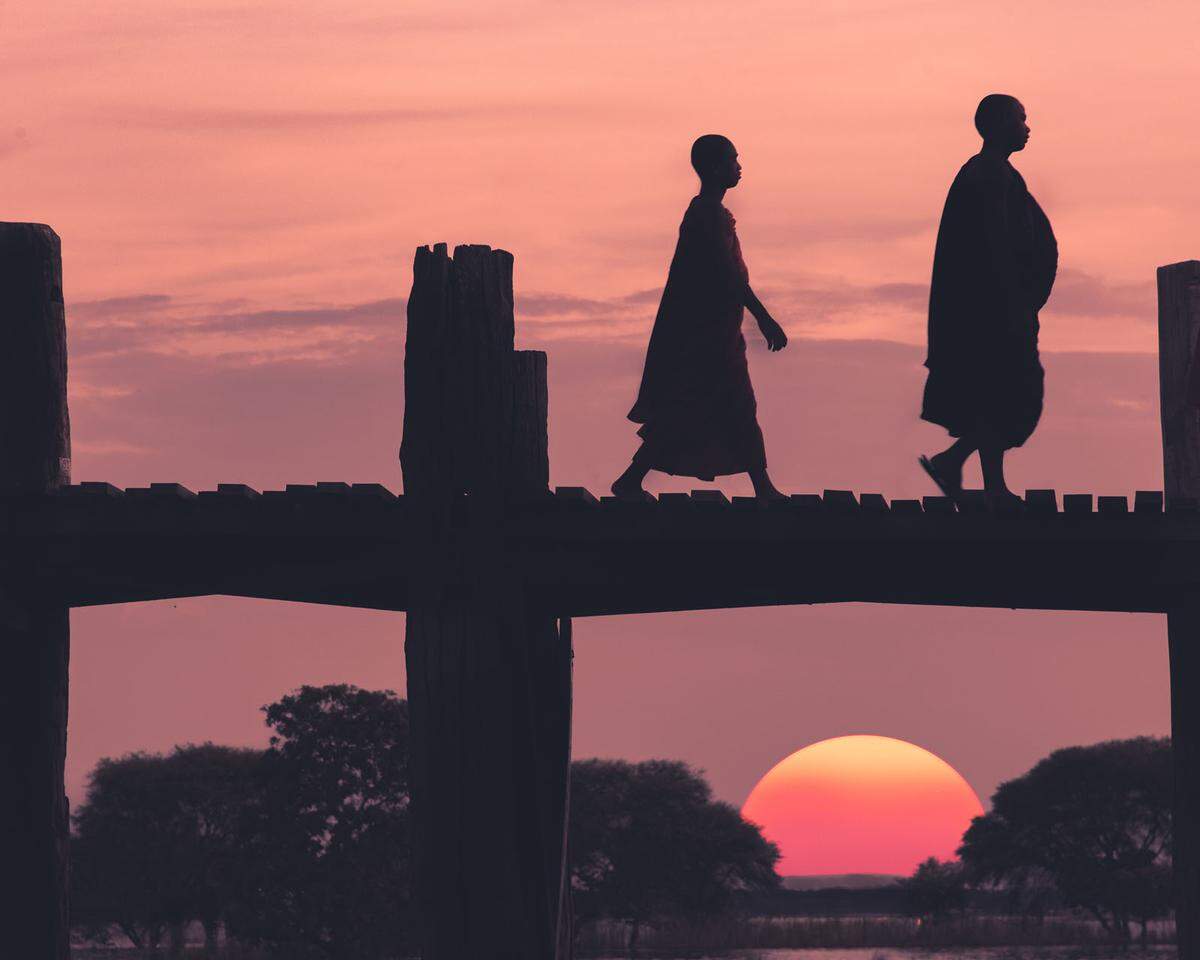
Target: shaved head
{"points": [[709, 151], [994, 112]]}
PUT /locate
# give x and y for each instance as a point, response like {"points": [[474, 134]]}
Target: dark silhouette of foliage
{"points": [[648, 841], [935, 890], [1096, 820], [327, 838], [156, 842]]}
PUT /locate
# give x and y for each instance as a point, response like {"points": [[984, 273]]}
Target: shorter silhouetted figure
{"points": [[696, 404], [993, 269]]}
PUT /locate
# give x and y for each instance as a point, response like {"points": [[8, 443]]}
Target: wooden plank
{"points": [[97, 489], [907, 508], [35, 458], [712, 497], [171, 491], [575, 495], [1178, 333], [237, 491], [840, 501], [1041, 501], [1077, 503], [1148, 501], [973, 501], [938, 506], [1111, 505], [873, 503], [528, 467], [805, 502], [371, 491]]}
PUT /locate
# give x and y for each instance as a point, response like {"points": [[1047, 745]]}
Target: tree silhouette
{"points": [[327, 835], [156, 842], [935, 889], [1096, 820], [648, 841]]}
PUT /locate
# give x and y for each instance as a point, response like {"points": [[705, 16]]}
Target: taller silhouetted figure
{"points": [[993, 268], [696, 404]]}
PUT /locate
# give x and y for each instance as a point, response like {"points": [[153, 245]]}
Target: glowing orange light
{"points": [[862, 804]]}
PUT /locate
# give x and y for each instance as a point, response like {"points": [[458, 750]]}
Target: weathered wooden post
{"points": [[1178, 328], [35, 457], [488, 673]]}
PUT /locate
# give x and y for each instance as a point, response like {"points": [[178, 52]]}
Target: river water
{"points": [[946, 953]]}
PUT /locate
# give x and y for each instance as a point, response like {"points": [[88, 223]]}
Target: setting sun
{"points": [[861, 804]]}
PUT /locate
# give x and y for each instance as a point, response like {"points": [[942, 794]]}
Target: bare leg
{"points": [[945, 468], [950, 461], [991, 459], [764, 489], [629, 484]]}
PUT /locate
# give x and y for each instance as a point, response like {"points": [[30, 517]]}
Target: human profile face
{"points": [[1016, 127], [727, 171]]}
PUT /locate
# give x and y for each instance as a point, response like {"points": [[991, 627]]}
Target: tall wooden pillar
{"points": [[488, 673], [35, 457], [1178, 330]]}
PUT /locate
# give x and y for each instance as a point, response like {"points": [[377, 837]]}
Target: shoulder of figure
{"points": [[984, 173], [1015, 175], [704, 211]]}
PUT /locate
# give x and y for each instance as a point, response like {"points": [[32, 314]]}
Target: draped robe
{"points": [[993, 269], [696, 403]]}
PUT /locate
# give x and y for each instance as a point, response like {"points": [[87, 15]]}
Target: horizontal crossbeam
{"points": [[359, 545]]}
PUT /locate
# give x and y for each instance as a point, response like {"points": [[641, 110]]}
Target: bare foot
{"points": [[946, 472]]}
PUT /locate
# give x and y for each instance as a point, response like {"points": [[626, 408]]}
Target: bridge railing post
{"points": [[1178, 332], [488, 673], [35, 457]]}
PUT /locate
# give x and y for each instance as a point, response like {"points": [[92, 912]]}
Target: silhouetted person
{"points": [[993, 268], [696, 404]]}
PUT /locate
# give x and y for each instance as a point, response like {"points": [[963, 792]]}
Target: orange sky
{"points": [[240, 187]]}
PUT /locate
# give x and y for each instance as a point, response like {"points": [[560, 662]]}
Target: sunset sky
{"points": [[239, 188]]}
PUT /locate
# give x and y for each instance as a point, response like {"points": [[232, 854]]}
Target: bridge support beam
{"points": [[1178, 331], [35, 456], [489, 674]]}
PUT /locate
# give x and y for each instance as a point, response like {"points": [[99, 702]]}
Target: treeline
{"points": [[1087, 829], [302, 849]]}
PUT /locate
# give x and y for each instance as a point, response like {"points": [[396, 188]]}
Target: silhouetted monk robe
{"points": [[696, 403], [993, 268]]}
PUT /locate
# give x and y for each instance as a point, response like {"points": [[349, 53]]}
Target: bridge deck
{"points": [[359, 545]]}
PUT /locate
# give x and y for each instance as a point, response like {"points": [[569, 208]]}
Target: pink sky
{"points": [[239, 189]]}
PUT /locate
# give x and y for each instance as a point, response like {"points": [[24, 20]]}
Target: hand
{"points": [[773, 332]]}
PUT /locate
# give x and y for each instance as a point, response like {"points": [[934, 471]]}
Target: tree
{"points": [[647, 841], [1096, 820], [935, 890], [327, 835], [156, 842]]}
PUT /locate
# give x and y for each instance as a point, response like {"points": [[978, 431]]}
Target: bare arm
{"points": [[771, 330]]}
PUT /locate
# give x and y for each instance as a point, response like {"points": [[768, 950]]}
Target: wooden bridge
{"points": [[491, 567], [361, 545]]}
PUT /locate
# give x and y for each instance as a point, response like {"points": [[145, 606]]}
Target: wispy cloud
{"points": [[279, 120], [1081, 294], [157, 324]]}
